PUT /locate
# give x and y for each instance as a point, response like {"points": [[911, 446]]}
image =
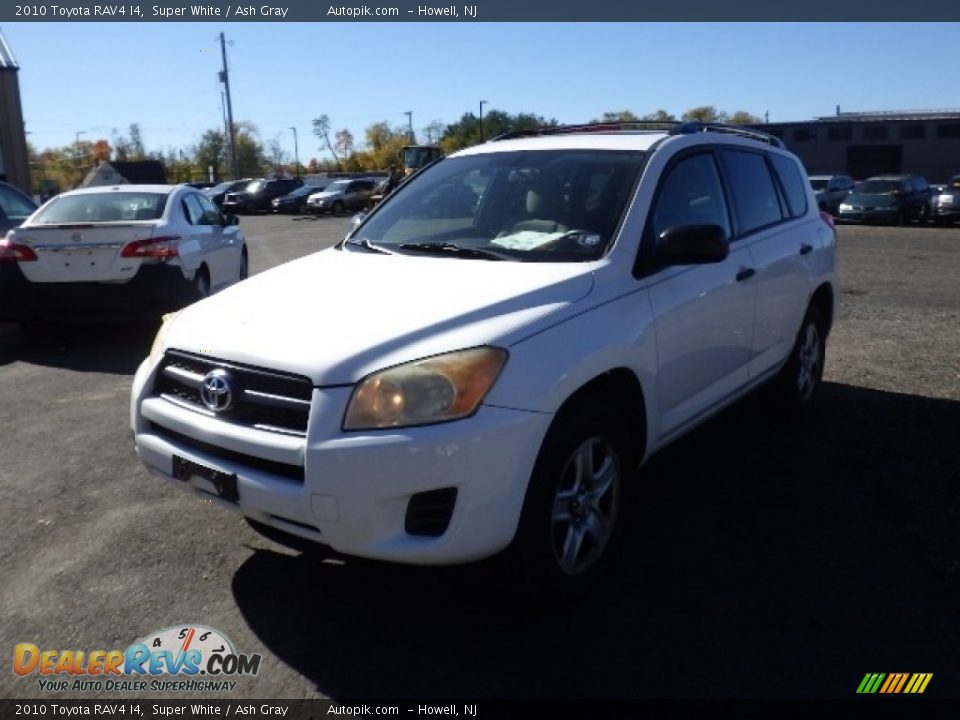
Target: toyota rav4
{"points": [[526, 322]]}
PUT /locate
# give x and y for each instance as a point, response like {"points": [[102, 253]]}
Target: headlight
{"points": [[157, 346], [432, 390]]}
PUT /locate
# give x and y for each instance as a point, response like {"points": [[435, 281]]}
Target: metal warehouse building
{"points": [[861, 144]]}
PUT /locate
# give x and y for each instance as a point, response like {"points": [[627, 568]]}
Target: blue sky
{"points": [[91, 78]]}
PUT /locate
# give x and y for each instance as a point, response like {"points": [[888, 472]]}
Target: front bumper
{"points": [[155, 289], [353, 491], [877, 216]]}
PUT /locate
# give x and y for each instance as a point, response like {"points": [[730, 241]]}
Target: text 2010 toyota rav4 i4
{"points": [[485, 359]]}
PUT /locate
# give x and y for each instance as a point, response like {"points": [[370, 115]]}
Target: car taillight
{"points": [[14, 252], [165, 246]]}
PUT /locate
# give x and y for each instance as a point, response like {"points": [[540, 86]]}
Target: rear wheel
{"points": [[797, 384], [571, 515], [201, 283]]}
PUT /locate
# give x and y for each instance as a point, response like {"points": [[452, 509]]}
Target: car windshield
{"points": [[544, 206], [102, 207], [818, 184], [221, 188], [255, 186], [337, 186], [878, 187]]}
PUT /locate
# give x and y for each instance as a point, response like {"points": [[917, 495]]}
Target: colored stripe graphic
{"points": [[894, 683]]}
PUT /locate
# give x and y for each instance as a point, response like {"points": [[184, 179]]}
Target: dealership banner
{"points": [[220, 11]]}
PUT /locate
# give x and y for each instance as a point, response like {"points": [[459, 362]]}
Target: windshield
{"points": [[878, 187], [255, 186], [221, 188], [337, 186], [545, 206], [102, 207], [818, 185]]}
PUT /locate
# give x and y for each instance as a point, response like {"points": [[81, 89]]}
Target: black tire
{"points": [[244, 265], [201, 284], [570, 523], [798, 383], [303, 208], [339, 208], [923, 214]]}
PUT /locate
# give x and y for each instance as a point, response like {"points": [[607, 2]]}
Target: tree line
{"points": [[207, 159]]}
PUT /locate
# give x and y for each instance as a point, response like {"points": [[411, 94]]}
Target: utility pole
{"points": [[296, 151], [225, 79], [409, 114]]}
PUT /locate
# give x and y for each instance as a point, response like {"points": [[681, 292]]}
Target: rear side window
{"points": [[754, 193], [793, 184]]}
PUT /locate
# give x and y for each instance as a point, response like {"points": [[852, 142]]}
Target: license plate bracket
{"points": [[224, 483]]}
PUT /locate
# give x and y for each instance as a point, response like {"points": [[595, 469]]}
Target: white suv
{"points": [[486, 358]]}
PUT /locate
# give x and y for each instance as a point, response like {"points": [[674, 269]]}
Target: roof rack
{"points": [[672, 127], [648, 125], [688, 128]]}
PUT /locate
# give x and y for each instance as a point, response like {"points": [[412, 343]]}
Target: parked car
{"points": [[295, 201], [946, 203], [890, 199], [256, 196], [341, 196], [831, 190], [500, 367], [15, 207], [218, 192], [117, 251]]}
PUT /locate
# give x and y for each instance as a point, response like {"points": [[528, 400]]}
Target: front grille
{"points": [[263, 399]]}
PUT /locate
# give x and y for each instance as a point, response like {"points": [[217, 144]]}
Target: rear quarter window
{"points": [[754, 192], [793, 185]]}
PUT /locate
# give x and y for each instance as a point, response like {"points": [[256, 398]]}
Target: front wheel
{"points": [[571, 515], [797, 384], [339, 208]]}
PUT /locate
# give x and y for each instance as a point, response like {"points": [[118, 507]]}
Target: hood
{"points": [[337, 316], [324, 194]]}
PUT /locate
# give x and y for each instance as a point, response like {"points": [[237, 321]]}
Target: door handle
{"points": [[745, 273], [806, 249]]}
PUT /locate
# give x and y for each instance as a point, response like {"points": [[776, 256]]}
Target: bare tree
{"points": [[321, 128], [344, 143]]}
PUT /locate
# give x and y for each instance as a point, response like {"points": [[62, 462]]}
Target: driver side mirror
{"points": [[230, 219], [692, 245]]}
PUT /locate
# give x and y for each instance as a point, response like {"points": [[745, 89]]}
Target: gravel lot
{"points": [[764, 559]]}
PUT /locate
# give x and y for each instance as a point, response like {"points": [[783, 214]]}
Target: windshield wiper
{"points": [[446, 248], [367, 245]]}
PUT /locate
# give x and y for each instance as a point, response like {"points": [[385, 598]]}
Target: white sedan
{"points": [[129, 250]]}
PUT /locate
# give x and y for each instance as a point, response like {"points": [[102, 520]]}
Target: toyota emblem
{"points": [[217, 391]]}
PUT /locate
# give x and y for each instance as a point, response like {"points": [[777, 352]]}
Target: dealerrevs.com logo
{"points": [[176, 659]]}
